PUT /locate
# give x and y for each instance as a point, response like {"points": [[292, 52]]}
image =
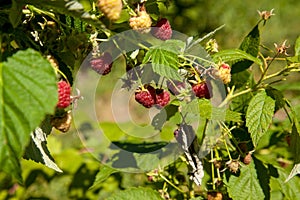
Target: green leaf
{"points": [[233, 56], [290, 189], [214, 113], [164, 59], [28, 91], [295, 171], [249, 45], [295, 144], [15, 13], [297, 47], [246, 185], [259, 115], [242, 79], [102, 175], [136, 193], [164, 115]]}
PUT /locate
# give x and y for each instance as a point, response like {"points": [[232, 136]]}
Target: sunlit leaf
{"points": [[234, 55], [259, 115], [246, 185], [28, 91], [136, 193]]}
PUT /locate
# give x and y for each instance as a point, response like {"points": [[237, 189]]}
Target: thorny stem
{"points": [[174, 186]]}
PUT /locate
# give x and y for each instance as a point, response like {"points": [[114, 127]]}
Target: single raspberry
{"points": [[141, 23], [224, 73], [162, 30], [201, 90], [162, 97], [146, 96], [111, 8], [64, 94], [103, 64], [248, 158]]}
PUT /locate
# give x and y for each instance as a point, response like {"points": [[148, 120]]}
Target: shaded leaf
{"points": [[259, 115], [246, 185], [277, 96], [28, 91], [136, 193], [164, 115], [249, 45], [290, 189], [15, 13]]}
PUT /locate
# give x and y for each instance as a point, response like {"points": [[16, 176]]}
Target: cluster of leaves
{"points": [[247, 141]]}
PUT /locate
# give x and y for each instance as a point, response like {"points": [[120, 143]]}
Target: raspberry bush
{"points": [[222, 125]]}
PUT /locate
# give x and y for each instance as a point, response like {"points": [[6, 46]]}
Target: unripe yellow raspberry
{"points": [[224, 73], [141, 23], [111, 8]]}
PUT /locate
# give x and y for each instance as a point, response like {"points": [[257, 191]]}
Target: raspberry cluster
{"points": [[141, 23], [148, 96], [224, 73], [103, 64], [111, 8], [64, 94], [162, 30]]}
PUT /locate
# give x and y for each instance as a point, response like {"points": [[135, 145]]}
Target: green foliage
{"points": [[250, 45], [251, 116], [246, 185], [259, 115], [24, 79], [234, 56], [136, 193]]}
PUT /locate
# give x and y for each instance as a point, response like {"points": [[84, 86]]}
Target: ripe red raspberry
{"points": [[103, 64], [146, 96], [162, 97], [162, 30], [201, 90], [64, 94]]}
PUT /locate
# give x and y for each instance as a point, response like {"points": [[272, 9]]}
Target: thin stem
{"points": [[174, 186], [262, 78], [212, 169]]}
